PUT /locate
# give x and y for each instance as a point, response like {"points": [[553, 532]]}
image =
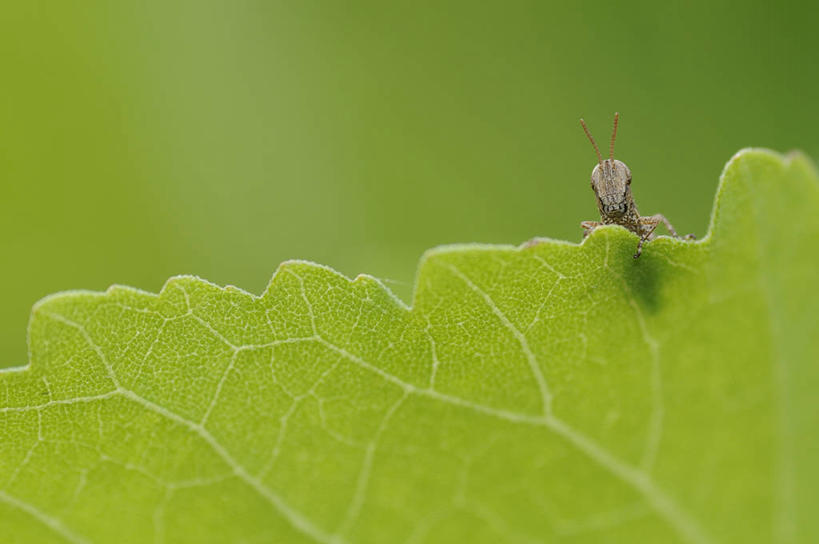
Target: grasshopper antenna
{"points": [[613, 135], [596, 150]]}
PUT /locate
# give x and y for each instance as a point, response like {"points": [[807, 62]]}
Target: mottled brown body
{"points": [[611, 183]]}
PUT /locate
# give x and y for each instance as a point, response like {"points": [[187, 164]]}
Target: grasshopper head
{"points": [[610, 179]]}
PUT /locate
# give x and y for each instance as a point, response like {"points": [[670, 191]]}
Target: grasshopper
{"points": [[611, 183]]}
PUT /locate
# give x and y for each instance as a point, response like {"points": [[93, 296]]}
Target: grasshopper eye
{"points": [[628, 181]]}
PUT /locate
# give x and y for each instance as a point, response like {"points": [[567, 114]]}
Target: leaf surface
{"points": [[554, 393]]}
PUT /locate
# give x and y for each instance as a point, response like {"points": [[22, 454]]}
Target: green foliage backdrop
{"points": [[143, 140]]}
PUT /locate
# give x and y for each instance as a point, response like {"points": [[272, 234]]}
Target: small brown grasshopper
{"points": [[611, 182]]}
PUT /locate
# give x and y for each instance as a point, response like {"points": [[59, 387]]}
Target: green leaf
{"points": [[559, 392]]}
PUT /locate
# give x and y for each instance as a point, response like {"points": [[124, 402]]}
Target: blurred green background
{"points": [[139, 140]]}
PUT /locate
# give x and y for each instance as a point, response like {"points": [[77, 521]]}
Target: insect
{"points": [[611, 183]]}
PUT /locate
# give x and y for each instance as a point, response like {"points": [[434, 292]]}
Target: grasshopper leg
{"points": [[589, 226]]}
